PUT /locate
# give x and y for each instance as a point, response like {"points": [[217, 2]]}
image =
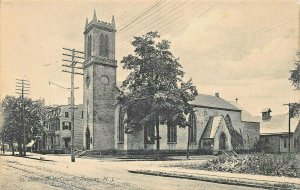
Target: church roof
{"points": [[278, 124], [246, 116], [209, 101], [211, 127]]}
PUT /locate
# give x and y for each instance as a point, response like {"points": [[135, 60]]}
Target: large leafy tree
{"points": [[295, 80], [34, 116], [154, 92]]}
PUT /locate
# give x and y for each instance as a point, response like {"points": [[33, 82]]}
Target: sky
{"points": [[239, 48]]}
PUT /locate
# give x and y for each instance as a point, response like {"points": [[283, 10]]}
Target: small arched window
{"points": [[106, 46], [89, 46], [193, 128], [101, 45]]}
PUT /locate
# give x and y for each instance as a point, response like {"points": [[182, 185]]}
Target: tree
{"points": [[295, 80], [34, 115], [154, 92]]}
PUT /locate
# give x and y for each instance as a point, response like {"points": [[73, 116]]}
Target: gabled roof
{"points": [[278, 124], [266, 110], [209, 101], [211, 127], [246, 116]]}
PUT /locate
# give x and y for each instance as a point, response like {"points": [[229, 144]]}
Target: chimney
{"points": [[217, 94]]}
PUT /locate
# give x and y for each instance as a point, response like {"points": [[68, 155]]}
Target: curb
{"points": [[220, 179]]}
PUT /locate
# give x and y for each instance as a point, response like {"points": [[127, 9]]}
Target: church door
{"points": [[87, 139], [222, 142]]}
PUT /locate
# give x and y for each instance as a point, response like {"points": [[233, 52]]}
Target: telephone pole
{"points": [[73, 54], [22, 88]]}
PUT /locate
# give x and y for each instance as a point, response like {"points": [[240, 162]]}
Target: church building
{"points": [[217, 124]]}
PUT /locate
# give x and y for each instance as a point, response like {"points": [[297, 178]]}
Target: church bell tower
{"points": [[99, 79]]}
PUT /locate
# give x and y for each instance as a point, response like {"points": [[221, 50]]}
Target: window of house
{"points": [[58, 125], [172, 133], [66, 114], [70, 125], [285, 142], [81, 114], [192, 130], [149, 131], [66, 125]]}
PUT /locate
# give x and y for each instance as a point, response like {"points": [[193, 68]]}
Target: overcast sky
{"points": [[241, 49]]}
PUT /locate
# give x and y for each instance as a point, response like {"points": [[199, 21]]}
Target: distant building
{"points": [[274, 133], [57, 137]]}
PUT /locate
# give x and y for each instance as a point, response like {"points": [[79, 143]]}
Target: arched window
{"points": [[193, 128], [102, 45], [121, 127], [228, 122], [106, 46], [172, 133], [89, 46]]}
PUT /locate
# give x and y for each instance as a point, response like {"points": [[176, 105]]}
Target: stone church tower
{"points": [[99, 89]]}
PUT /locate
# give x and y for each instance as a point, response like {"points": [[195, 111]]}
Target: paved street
{"points": [[60, 173]]}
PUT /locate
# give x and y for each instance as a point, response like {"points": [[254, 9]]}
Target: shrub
{"points": [[264, 164]]}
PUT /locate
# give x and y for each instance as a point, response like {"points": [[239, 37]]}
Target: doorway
{"points": [[87, 139], [222, 141]]}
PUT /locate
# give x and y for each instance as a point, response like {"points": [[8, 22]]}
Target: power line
{"points": [[142, 14], [151, 23], [255, 34], [201, 14], [149, 16], [128, 12]]}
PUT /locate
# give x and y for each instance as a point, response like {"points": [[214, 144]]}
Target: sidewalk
{"points": [[260, 181]]}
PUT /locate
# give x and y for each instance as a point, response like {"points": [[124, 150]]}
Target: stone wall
{"points": [[250, 132], [136, 141]]}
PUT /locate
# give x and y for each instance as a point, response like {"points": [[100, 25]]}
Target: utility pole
{"points": [[289, 135], [22, 88], [74, 56]]}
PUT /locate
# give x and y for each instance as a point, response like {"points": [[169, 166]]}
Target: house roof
{"points": [[266, 110], [213, 102], [246, 116], [278, 124], [211, 127]]}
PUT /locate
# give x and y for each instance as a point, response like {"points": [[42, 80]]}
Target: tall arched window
{"points": [[102, 45], [228, 122], [106, 46], [193, 128], [121, 127], [89, 46]]}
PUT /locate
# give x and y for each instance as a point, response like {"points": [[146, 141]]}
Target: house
{"points": [[274, 133], [57, 137]]}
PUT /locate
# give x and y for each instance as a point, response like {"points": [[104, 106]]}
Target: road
{"points": [[24, 173]]}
